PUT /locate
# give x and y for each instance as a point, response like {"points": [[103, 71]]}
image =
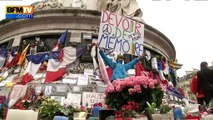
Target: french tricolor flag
{"points": [[59, 60], [13, 59], [34, 63], [61, 40]]}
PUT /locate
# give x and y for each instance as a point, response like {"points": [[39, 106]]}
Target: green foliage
{"points": [[152, 107], [49, 108], [164, 109], [68, 111], [3, 109]]}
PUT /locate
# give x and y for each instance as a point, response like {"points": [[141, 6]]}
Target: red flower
{"points": [[118, 114]]}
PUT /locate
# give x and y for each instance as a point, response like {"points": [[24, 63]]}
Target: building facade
{"points": [[80, 18]]}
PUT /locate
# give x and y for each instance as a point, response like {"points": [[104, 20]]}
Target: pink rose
{"points": [[155, 82], [137, 88], [152, 85], [116, 82], [110, 88], [131, 91], [118, 88]]}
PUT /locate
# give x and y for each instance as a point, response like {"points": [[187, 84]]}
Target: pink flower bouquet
{"points": [[132, 93]]}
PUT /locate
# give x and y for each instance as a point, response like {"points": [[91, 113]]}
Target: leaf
{"points": [[148, 104]]}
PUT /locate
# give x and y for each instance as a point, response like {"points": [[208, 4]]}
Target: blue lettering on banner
{"points": [[138, 48], [110, 42], [127, 45], [117, 42], [123, 45]]}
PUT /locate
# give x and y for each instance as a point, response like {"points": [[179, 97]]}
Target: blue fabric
{"points": [[4, 53], [171, 71], [95, 111], [119, 69], [37, 58], [62, 38], [13, 52], [46, 58], [54, 55], [175, 92], [160, 66]]}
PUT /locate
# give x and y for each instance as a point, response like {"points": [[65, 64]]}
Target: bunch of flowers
{"points": [[69, 108], [122, 93], [130, 109], [49, 108], [29, 101]]}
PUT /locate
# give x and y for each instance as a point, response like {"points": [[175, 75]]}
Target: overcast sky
{"points": [[187, 23]]}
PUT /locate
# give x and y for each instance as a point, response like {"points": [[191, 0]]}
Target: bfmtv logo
{"points": [[19, 12]]}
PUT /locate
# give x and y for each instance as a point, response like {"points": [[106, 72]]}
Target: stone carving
{"points": [[128, 8], [47, 4], [79, 4], [50, 4]]}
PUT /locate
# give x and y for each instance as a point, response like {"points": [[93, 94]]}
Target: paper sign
{"points": [[74, 98], [88, 71], [82, 79], [90, 98], [76, 89], [48, 90], [61, 88], [18, 91], [60, 99], [101, 88], [70, 81], [121, 34]]}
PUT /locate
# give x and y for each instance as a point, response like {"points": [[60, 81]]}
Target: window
{"points": [[86, 40], [40, 43], [7, 44]]}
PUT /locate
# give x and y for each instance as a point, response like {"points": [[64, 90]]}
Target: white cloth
{"points": [[93, 54], [154, 63]]}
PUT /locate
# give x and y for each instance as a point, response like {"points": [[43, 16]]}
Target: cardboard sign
{"points": [[121, 34], [14, 114], [90, 98], [79, 116]]}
